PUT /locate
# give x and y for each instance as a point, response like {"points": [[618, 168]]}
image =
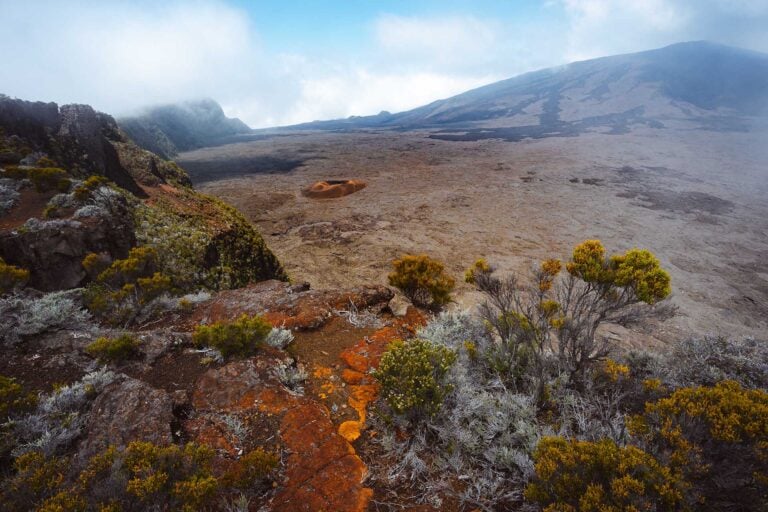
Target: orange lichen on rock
{"points": [[354, 377], [323, 472], [322, 372], [331, 189], [365, 356], [350, 430]]}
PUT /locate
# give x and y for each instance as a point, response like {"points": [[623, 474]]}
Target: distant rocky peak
{"points": [[172, 128]]}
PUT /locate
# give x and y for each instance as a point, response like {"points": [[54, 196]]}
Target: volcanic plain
{"points": [[696, 198]]}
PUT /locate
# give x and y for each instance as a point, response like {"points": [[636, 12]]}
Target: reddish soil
{"points": [[34, 370], [176, 370], [30, 204]]}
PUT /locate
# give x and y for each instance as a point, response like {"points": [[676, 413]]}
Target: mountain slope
{"points": [[713, 85], [169, 129], [48, 227]]}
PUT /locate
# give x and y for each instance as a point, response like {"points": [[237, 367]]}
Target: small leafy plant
{"points": [[412, 377], [117, 349], [239, 338], [11, 277]]}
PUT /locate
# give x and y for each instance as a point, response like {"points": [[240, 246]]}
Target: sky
{"points": [[281, 62]]}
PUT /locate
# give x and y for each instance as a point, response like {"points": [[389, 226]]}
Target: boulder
{"points": [[292, 306], [53, 251], [127, 411]]}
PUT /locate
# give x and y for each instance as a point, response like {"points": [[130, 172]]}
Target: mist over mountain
{"points": [[710, 85], [169, 129]]}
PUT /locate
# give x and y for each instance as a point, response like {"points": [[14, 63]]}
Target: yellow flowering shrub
{"points": [[600, 477], [252, 469], [549, 270], [614, 371], [36, 478], [45, 179], [640, 270], [141, 476], [480, 266], [588, 262], [717, 436], [124, 286], [85, 190], [13, 399], [422, 279], [637, 269]]}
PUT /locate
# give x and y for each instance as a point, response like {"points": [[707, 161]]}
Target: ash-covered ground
{"points": [[697, 199]]}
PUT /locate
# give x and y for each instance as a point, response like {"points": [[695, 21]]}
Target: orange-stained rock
{"points": [[412, 320], [357, 362], [365, 393], [322, 372], [322, 471], [350, 430], [210, 432], [364, 356], [290, 306], [333, 188], [353, 377]]}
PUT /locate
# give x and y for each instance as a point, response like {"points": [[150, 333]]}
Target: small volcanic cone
{"points": [[333, 188]]}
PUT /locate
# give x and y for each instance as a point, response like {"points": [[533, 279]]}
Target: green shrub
{"points": [[120, 291], [241, 337], [106, 349], [15, 172], [11, 277], [412, 377], [252, 469], [601, 476], [201, 241], [422, 279], [13, 399], [49, 178], [85, 190]]}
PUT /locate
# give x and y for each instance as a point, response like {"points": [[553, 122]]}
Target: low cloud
{"points": [[596, 28], [121, 56]]}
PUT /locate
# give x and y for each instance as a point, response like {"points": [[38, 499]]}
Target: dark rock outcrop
{"points": [[28, 119], [53, 251], [127, 411], [84, 142]]}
